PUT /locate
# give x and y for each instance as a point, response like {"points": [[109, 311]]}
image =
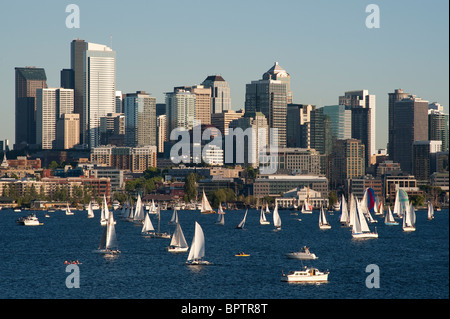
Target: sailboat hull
{"points": [[409, 228], [177, 249], [392, 224], [325, 226], [264, 223], [208, 212], [107, 251], [364, 235]]}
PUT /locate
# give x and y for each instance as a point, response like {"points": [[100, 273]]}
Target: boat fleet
{"points": [[354, 214]]}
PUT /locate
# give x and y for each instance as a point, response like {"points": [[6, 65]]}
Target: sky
{"points": [[325, 46]]}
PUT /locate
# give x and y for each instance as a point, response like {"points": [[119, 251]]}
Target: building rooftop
{"points": [[32, 73]]}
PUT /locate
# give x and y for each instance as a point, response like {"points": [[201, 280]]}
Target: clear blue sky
{"points": [[324, 45]]}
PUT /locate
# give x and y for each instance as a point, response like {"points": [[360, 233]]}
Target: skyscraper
{"points": [[298, 125], [278, 73], [347, 161], [202, 102], [395, 96], [51, 104], [28, 79], [220, 93], [140, 119], [410, 125], [362, 105], [438, 127], [269, 97], [341, 121], [99, 96], [77, 60], [180, 110]]}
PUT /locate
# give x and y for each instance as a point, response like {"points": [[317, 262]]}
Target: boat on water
{"points": [[409, 219], [242, 254], [158, 233], [174, 219], [116, 205], [303, 254], [307, 207], [344, 219], [360, 228], [220, 216], [307, 275], [178, 243], [90, 211], [389, 218], [430, 211], [68, 211], [30, 220], [206, 206], [197, 251], [242, 223], [323, 223], [262, 218], [276, 218], [108, 243]]}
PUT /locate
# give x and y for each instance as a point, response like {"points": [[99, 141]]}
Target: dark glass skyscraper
{"points": [[28, 79]]}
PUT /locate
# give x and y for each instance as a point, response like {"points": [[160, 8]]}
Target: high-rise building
{"points": [[410, 125], [397, 95], [180, 110], [438, 127], [77, 60], [119, 102], [99, 96], [220, 93], [269, 97], [422, 156], [68, 131], [278, 73], [161, 127], [362, 105], [112, 129], [28, 79], [341, 121], [202, 102], [321, 138], [298, 125], [140, 119], [222, 120], [347, 161], [51, 104]]}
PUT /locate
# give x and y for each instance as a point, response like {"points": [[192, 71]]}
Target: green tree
{"points": [[190, 186]]}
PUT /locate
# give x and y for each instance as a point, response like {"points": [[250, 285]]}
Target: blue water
{"points": [[412, 265]]}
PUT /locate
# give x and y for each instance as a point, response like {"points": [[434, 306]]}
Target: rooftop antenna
{"points": [[111, 41]]}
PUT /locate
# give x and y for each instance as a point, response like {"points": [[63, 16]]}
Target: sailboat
{"points": [[174, 219], [152, 209], [178, 243], [105, 214], [344, 212], [158, 234], [68, 211], [90, 211], [242, 223], [323, 223], [307, 207], [147, 228], [368, 204], [267, 209], [220, 216], [409, 219], [276, 218], [430, 213], [197, 251], [262, 218], [139, 212], [401, 203], [360, 228], [108, 243], [206, 206], [389, 218]]}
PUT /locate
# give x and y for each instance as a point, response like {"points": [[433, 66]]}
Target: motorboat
{"points": [[30, 220], [307, 275], [303, 254]]}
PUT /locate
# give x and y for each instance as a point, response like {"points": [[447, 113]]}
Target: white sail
{"points": [[148, 226], [356, 226], [323, 223], [352, 210], [206, 206], [344, 212], [111, 239], [362, 219], [276, 217], [174, 219], [139, 213], [197, 250], [178, 239], [409, 218], [242, 223], [267, 209], [90, 211], [430, 212], [389, 218], [220, 219], [262, 218]]}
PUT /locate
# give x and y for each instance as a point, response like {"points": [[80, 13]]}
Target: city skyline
{"points": [[316, 53]]}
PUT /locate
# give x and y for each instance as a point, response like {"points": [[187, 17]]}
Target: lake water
{"points": [[412, 265]]}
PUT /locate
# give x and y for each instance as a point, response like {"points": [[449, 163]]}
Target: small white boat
{"points": [[242, 223], [68, 211], [178, 243], [360, 228], [323, 223], [409, 219], [220, 216], [30, 220], [262, 218], [303, 254], [108, 243], [90, 211], [206, 206], [276, 218], [115, 204], [430, 212], [307, 275], [197, 251], [389, 218]]}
